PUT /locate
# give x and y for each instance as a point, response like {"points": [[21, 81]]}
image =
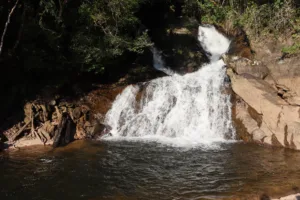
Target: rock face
{"points": [[60, 121], [266, 106]]}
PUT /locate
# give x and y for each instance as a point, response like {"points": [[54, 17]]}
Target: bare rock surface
{"points": [[290, 197], [60, 121], [267, 109]]}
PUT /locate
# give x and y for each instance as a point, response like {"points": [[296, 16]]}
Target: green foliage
{"points": [[212, 13], [258, 17], [108, 29], [207, 11], [291, 50], [92, 36], [263, 19]]}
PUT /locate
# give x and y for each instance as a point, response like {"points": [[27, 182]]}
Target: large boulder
{"points": [[264, 113]]}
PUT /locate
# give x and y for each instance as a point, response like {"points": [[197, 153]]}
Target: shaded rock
{"points": [[81, 132], [264, 197], [101, 130], [59, 122], [85, 109], [65, 131], [1, 145], [240, 44], [77, 113], [180, 31], [52, 102], [14, 132], [100, 100]]}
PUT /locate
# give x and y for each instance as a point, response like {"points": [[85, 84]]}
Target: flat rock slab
{"points": [[25, 142], [278, 122], [290, 197]]}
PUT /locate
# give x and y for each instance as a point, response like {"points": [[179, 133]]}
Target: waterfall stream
{"points": [[185, 111]]}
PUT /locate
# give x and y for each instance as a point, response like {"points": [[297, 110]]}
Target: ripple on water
{"points": [[134, 170]]}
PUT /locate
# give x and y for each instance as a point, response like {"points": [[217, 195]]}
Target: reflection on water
{"points": [[127, 170]]}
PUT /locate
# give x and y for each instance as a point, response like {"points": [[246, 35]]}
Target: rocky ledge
{"points": [[290, 197], [266, 100], [58, 122]]}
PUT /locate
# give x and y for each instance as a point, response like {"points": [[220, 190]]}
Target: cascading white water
{"points": [[159, 63], [187, 110]]}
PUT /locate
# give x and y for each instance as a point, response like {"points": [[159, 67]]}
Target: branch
{"points": [[6, 25], [22, 129], [21, 29], [61, 9]]}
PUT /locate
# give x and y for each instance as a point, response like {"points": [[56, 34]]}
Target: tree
{"points": [[6, 25], [106, 30]]}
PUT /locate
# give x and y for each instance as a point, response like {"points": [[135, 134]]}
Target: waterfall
{"points": [[159, 63], [190, 110]]}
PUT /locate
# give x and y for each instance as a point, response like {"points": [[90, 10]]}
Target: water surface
{"points": [[137, 170]]}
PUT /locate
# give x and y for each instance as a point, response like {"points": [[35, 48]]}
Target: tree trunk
{"points": [[6, 25], [21, 29]]}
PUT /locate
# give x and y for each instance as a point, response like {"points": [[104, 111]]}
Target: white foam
{"points": [[213, 42], [183, 111], [159, 63]]}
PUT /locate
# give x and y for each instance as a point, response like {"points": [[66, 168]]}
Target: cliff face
{"points": [[266, 107]]}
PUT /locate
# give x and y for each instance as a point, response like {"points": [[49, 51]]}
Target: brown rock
{"points": [[294, 101], [242, 65], [52, 103], [77, 113], [85, 109], [27, 112], [290, 197], [270, 119]]}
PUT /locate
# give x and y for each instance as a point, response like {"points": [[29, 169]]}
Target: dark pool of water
{"points": [[135, 170]]}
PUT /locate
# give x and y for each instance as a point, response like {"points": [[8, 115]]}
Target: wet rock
{"points": [[101, 130], [65, 131]]}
